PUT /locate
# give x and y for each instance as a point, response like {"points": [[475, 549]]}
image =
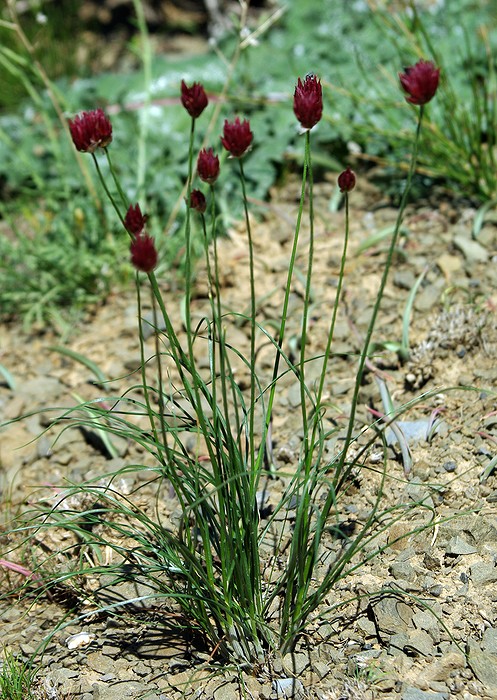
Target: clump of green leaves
{"points": [[16, 678], [37, 166], [57, 260], [459, 141]]}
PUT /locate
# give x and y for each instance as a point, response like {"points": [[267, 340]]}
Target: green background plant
{"points": [[16, 678], [357, 50]]}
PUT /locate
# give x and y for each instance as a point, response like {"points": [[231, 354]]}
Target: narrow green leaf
{"points": [[406, 318], [9, 379], [480, 217], [378, 236], [84, 361]]}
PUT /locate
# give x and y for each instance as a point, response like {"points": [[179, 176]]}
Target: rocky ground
{"points": [[416, 621]]}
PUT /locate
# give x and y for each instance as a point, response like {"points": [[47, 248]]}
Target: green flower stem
{"points": [[108, 193], [214, 339], [365, 349], [194, 396], [300, 561], [331, 331], [177, 353], [251, 435], [142, 360], [158, 355], [182, 363], [284, 311], [307, 298], [217, 314], [123, 197], [250, 573], [188, 262]]}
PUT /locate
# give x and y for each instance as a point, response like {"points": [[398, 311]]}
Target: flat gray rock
{"points": [[483, 573], [484, 666], [392, 615], [458, 545], [288, 688], [417, 694], [472, 250]]}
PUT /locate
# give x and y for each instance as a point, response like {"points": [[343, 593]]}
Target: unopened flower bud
{"points": [[237, 137], [346, 180], [208, 166], [197, 201], [193, 99], [134, 220]]}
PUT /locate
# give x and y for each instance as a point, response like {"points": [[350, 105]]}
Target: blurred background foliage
{"points": [[60, 246]]}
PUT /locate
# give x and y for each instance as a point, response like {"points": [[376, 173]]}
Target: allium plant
{"points": [[210, 563], [459, 142]]}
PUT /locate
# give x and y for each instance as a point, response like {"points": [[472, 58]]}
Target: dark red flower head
{"points": [[143, 252], [90, 130], [420, 82], [346, 180], [134, 220], [237, 137], [193, 99], [208, 166], [308, 101], [197, 201]]}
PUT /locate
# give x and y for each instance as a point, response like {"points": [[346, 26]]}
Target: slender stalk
{"points": [[146, 392], [160, 379], [307, 298], [297, 565], [124, 199], [188, 263], [108, 192], [334, 313], [251, 435], [284, 313], [367, 340], [224, 365]]}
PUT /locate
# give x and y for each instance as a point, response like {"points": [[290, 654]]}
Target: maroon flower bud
{"points": [[420, 82], [308, 101], [90, 130], [197, 201], [134, 220], [237, 137], [208, 166], [143, 252], [193, 99], [346, 180]]}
